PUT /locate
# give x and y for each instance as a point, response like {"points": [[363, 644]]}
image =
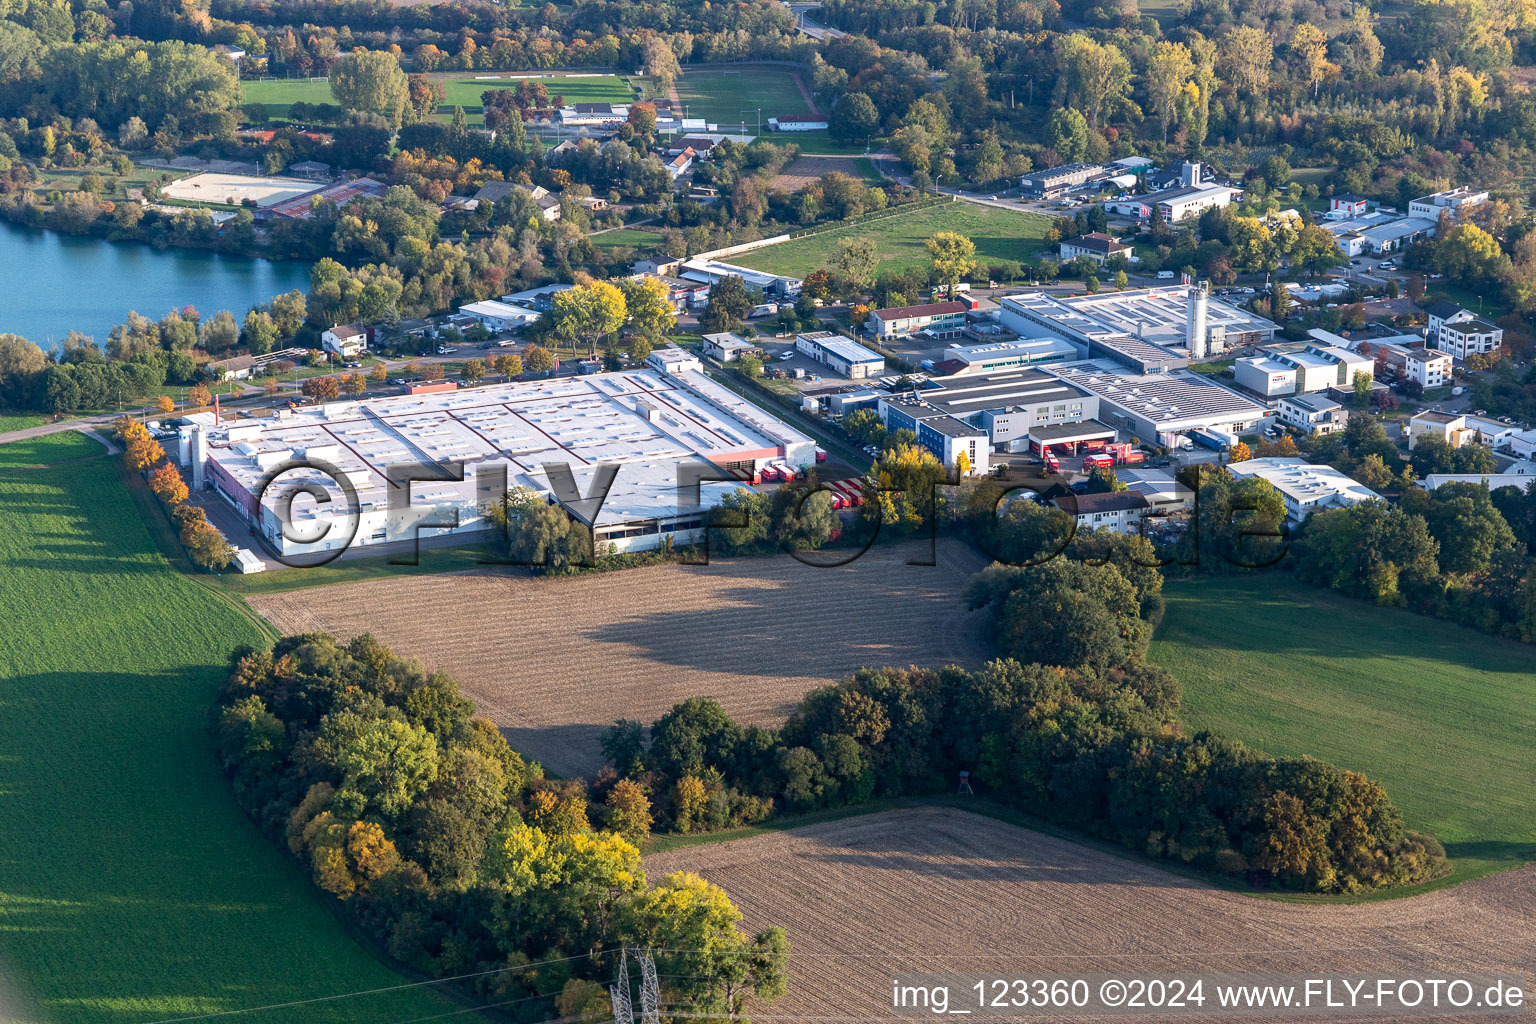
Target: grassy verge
{"points": [[133, 889], [1439, 714]]}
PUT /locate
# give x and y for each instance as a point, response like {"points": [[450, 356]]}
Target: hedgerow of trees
{"points": [[454, 853]]}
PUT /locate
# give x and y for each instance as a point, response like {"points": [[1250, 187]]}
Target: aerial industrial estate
{"points": [[656, 512]]}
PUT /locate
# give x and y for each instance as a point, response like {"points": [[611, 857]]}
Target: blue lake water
{"points": [[51, 284]]}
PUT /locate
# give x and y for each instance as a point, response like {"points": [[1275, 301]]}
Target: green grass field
{"points": [[48, 449], [1444, 717], [465, 89], [20, 421], [730, 97], [131, 888], [999, 234], [460, 88]]}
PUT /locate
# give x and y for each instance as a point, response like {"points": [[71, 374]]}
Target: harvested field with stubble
{"points": [[935, 889], [554, 661]]}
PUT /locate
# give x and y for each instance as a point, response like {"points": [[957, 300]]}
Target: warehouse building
{"points": [[1162, 406], [1300, 368], [648, 427], [1053, 181], [1305, 487], [1009, 404], [1150, 330], [942, 434], [842, 355], [991, 357], [498, 317]]}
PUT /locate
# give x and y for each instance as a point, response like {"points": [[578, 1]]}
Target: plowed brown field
{"points": [[555, 661], [935, 889]]}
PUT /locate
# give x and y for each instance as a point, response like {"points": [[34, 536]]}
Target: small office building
{"points": [[840, 354], [940, 319]]}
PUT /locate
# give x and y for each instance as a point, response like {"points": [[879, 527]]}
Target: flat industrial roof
{"points": [[1303, 482], [644, 421], [1145, 324], [845, 349], [932, 417], [965, 395], [1173, 401], [1060, 433]]}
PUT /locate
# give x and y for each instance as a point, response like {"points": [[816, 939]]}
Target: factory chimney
{"points": [[1197, 316]]}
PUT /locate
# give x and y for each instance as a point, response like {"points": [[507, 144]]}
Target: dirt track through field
{"points": [[555, 661], [942, 890]]}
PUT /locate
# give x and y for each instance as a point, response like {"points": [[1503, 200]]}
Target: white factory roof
{"points": [[500, 311], [1173, 401], [707, 271], [1305, 484], [643, 421], [844, 348], [1493, 480]]}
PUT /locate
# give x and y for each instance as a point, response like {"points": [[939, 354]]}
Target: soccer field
{"points": [[462, 88], [733, 98], [466, 89], [899, 239], [1444, 717], [131, 888]]}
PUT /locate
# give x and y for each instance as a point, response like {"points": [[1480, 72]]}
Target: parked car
{"points": [[787, 355], [1165, 275]]}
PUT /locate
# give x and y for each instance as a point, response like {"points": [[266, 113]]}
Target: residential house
{"points": [[1115, 511], [497, 191], [345, 340], [1429, 368], [1096, 245], [728, 347], [1313, 414], [681, 164], [1457, 429], [233, 368]]}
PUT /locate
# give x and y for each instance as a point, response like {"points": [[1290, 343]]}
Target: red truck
{"points": [[1098, 462]]}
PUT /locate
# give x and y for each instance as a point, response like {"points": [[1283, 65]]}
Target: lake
{"points": [[51, 284]]}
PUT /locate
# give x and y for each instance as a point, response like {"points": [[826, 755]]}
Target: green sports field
{"points": [[461, 89], [729, 97], [1444, 717], [131, 889], [999, 235]]}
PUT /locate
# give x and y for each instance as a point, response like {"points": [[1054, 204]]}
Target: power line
{"points": [[376, 991]]}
